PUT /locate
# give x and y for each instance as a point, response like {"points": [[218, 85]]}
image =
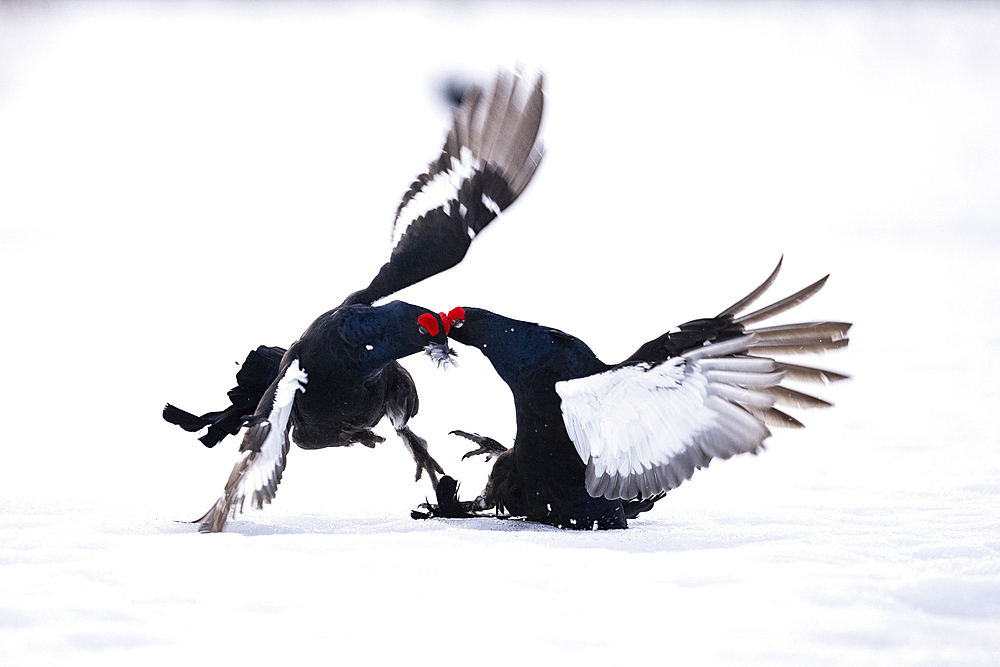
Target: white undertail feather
{"points": [[501, 132], [642, 429], [262, 459]]}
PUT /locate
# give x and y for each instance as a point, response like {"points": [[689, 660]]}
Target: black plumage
{"points": [[597, 443], [256, 374], [341, 377], [333, 385]]}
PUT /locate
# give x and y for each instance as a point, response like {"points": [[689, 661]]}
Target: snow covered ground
{"points": [[180, 182]]}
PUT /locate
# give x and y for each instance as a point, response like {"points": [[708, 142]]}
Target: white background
{"points": [[180, 182]]}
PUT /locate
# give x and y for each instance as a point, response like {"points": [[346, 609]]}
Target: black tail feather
{"points": [[220, 424], [185, 420], [448, 505], [447, 497], [256, 374]]}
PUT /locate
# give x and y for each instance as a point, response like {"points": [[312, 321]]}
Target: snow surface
{"points": [[181, 182]]}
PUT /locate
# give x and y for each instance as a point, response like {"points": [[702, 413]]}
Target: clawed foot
{"points": [[368, 439], [448, 505], [426, 462], [423, 459], [487, 446]]}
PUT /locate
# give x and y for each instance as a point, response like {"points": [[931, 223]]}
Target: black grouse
{"points": [[596, 444], [341, 377]]}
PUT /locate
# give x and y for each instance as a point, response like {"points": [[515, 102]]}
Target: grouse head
{"points": [[522, 353], [455, 321], [489, 332], [381, 334]]}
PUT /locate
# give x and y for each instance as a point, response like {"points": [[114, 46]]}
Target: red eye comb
{"points": [[428, 322], [452, 315]]}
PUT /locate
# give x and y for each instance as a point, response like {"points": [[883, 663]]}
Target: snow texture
{"points": [[180, 183]]}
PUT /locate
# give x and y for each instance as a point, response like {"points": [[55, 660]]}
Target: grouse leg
{"points": [[448, 505]]}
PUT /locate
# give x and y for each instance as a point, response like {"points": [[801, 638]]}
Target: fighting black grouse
{"points": [[341, 377], [596, 444]]}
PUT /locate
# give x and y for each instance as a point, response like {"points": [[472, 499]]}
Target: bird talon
{"points": [[433, 470], [369, 439], [487, 446]]}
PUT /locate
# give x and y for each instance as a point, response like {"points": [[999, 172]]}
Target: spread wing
{"points": [[263, 452], [488, 159], [644, 427]]}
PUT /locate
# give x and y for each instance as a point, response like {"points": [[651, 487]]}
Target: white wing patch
{"points": [[442, 190], [262, 475], [491, 205], [643, 429], [500, 131], [258, 472]]}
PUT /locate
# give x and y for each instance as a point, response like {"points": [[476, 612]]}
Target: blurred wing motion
{"points": [[265, 447], [643, 427], [488, 159]]}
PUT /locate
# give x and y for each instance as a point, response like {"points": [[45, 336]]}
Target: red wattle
{"points": [[428, 322]]}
